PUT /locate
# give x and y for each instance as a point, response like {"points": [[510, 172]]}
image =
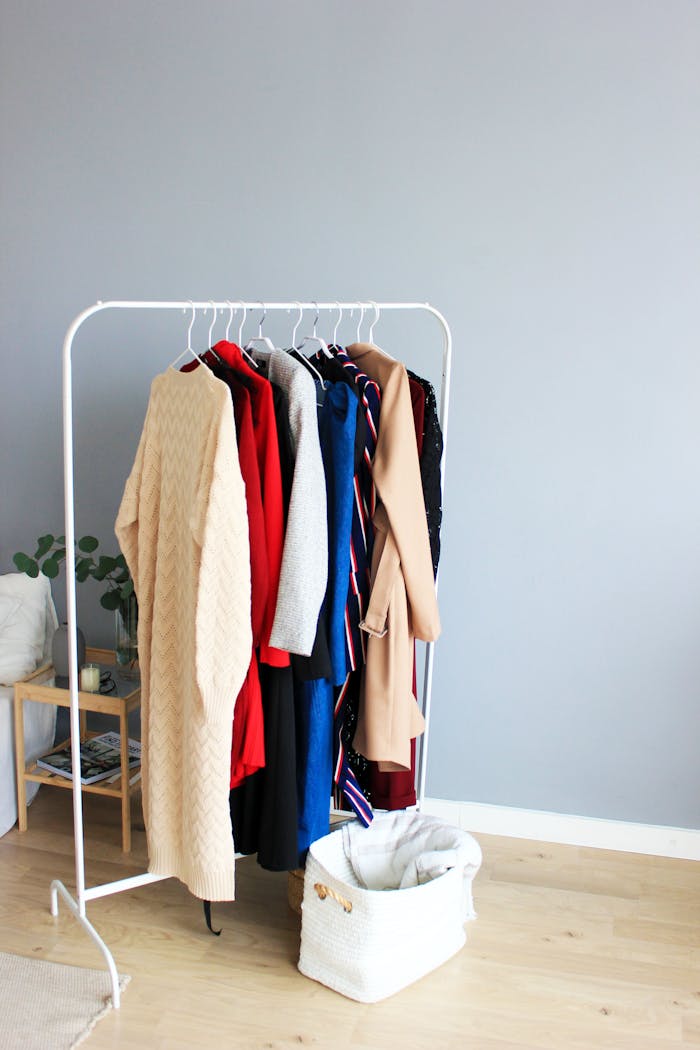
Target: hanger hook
{"points": [[337, 323], [213, 322], [376, 318], [315, 321], [244, 308], [189, 330], [260, 322], [362, 316], [230, 319], [298, 322]]}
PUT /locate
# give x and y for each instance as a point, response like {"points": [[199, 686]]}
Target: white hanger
{"points": [[260, 338], [370, 336], [249, 359], [188, 348], [359, 323], [376, 318], [230, 320], [313, 338], [304, 360], [337, 324], [211, 326], [240, 327], [298, 322]]}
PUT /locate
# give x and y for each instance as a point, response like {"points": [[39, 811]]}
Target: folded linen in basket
{"points": [[403, 849]]}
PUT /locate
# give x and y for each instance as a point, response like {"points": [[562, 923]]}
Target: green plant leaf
{"points": [[45, 543], [128, 589], [60, 539], [122, 577], [50, 568], [104, 566], [88, 544], [111, 600], [60, 554], [82, 569], [26, 564]]}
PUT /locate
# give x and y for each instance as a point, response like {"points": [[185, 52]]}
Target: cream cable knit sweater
{"points": [[183, 528], [304, 572]]}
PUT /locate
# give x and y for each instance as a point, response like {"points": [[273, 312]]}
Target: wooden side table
{"points": [[39, 687]]}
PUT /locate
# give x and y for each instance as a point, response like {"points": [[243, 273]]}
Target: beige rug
{"points": [[48, 1006]]}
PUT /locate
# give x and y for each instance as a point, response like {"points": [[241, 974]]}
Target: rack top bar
{"points": [[254, 305]]}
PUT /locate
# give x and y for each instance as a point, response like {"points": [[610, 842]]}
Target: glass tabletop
{"points": [[113, 681]]}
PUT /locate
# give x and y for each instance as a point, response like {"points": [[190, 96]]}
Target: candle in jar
{"points": [[90, 678]]}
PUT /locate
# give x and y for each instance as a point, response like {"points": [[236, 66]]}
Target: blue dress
{"points": [[314, 708]]}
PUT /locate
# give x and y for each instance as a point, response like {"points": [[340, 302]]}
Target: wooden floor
{"points": [[573, 948]]}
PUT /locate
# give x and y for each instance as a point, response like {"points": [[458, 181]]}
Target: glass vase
{"points": [[59, 652], [126, 618]]}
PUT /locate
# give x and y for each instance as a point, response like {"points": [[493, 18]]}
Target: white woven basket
{"points": [[367, 944]]}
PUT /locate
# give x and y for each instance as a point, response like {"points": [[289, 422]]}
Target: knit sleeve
{"points": [[304, 573], [219, 525], [126, 526]]}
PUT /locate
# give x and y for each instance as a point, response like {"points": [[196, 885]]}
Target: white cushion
{"points": [[27, 622], [39, 733]]}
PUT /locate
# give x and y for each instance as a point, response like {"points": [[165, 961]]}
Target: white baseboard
{"points": [[652, 839]]}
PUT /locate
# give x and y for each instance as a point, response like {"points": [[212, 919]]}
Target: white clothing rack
{"points": [[77, 904]]}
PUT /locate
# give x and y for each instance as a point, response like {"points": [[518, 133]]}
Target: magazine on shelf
{"points": [[100, 758]]}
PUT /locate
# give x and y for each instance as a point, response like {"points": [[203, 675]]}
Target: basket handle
{"points": [[326, 891]]}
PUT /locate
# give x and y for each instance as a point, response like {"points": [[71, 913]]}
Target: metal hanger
{"points": [[230, 320], [359, 323], [337, 324], [210, 344], [249, 359], [213, 322], [370, 336], [240, 327], [298, 356], [296, 326], [314, 338], [260, 338], [376, 318], [188, 349]]}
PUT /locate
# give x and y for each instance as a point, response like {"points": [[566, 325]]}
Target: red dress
{"points": [[258, 454], [267, 449], [267, 453], [248, 740]]}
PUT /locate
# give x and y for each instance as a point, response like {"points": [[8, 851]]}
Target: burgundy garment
{"points": [[418, 406], [397, 790]]}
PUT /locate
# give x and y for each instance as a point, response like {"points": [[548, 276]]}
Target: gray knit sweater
{"points": [[304, 572]]}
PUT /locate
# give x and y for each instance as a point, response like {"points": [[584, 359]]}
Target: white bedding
{"points": [[39, 731], [27, 623]]}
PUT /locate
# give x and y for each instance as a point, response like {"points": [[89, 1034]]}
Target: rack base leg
{"points": [[58, 887]]}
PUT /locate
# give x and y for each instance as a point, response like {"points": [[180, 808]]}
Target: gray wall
{"points": [[532, 168]]}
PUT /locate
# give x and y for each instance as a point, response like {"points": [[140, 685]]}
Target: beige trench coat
{"points": [[403, 604]]}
